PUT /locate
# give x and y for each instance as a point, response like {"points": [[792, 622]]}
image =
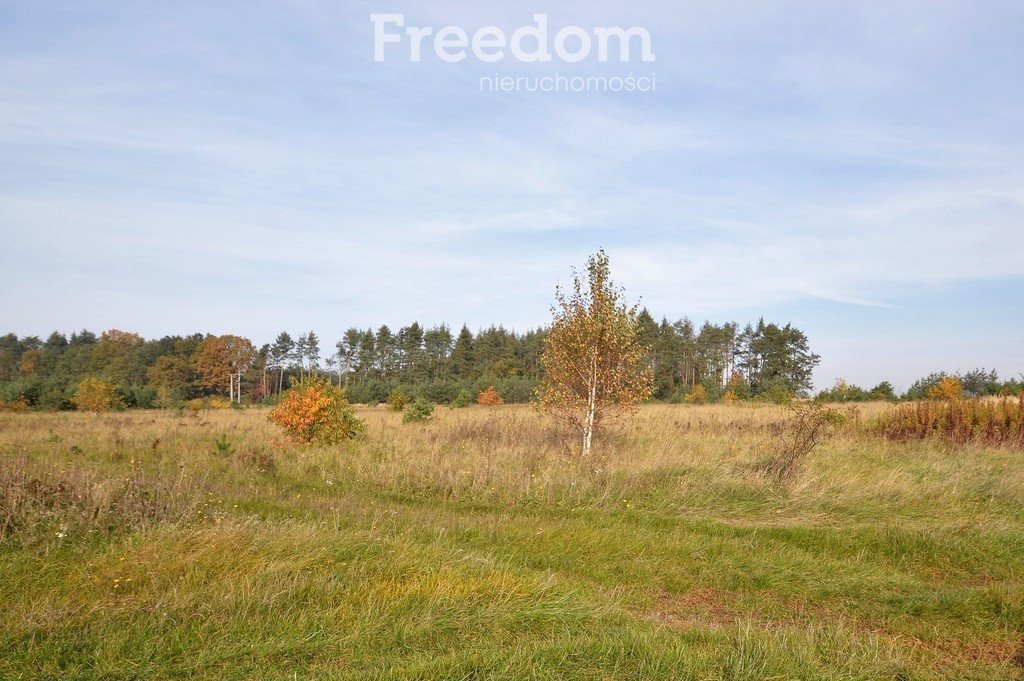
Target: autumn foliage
{"points": [[489, 397], [316, 412], [946, 389], [18, 404], [699, 395], [397, 400], [594, 360], [222, 360], [96, 395]]}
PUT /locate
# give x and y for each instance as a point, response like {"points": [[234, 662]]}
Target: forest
{"points": [[763, 360], [755, 360]]}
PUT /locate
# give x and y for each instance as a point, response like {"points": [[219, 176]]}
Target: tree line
{"points": [[754, 360], [974, 383]]}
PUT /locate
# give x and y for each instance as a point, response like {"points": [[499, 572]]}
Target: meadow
{"points": [[156, 544]]}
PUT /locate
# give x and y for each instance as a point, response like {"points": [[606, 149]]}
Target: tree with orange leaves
{"points": [[947, 389], [489, 397], [316, 412], [594, 360], [224, 360]]}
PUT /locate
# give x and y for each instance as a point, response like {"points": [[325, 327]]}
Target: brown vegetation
{"points": [[981, 421]]}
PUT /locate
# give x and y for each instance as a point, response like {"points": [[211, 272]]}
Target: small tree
{"points": [[698, 395], [397, 400], [316, 412], [947, 389], [489, 397], [594, 360], [463, 399], [97, 396], [419, 411]]}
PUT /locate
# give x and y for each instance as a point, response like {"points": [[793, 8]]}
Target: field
{"points": [[159, 545]]}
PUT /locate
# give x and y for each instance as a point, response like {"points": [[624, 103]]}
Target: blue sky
{"points": [[855, 168]]}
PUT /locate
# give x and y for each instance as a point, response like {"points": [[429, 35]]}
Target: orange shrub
{"points": [[316, 412], [946, 389], [16, 405], [489, 397]]}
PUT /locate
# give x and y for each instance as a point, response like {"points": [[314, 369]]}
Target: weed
{"points": [[805, 428], [995, 422]]}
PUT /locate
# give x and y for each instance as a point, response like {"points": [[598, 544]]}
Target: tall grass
{"points": [[481, 545], [39, 502], [980, 421]]}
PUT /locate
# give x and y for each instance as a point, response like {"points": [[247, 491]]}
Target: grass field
{"points": [[154, 545]]}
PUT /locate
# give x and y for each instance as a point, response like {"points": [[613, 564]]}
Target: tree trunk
{"points": [[588, 427]]}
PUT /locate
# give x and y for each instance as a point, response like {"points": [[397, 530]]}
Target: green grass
{"points": [[477, 546]]}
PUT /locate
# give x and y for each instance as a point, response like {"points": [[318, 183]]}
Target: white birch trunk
{"points": [[588, 428]]}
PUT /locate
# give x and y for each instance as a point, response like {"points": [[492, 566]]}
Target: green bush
{"points": [[776, 391], [419, 411], [463, 399], [137, 397]]}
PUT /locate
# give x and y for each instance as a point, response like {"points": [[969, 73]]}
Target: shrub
{"points": [[985, 421], [397, 400], [222, 446], [139, 397], [97, 396], [730, 397], [806, 427], [200, 403], [489, 397], [698, 395], [776, 391], [463, 399], [947, 389], [28, 391], [56, 394], [440, 391], [219, 403], [316, 412], [419, 411], [16, 405]]}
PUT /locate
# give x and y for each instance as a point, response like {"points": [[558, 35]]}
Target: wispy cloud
{"points": [[249, 168]]}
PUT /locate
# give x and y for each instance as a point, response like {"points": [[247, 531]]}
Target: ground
{"points": [[162, 544]]}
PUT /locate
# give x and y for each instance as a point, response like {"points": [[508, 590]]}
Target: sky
{"points": [[856, 169]]}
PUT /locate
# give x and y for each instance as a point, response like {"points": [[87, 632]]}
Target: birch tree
{"points": [[596, 365]]}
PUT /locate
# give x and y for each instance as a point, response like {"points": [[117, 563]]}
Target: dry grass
{"points": [[36, 503], [479, 545], [993, 422]]}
